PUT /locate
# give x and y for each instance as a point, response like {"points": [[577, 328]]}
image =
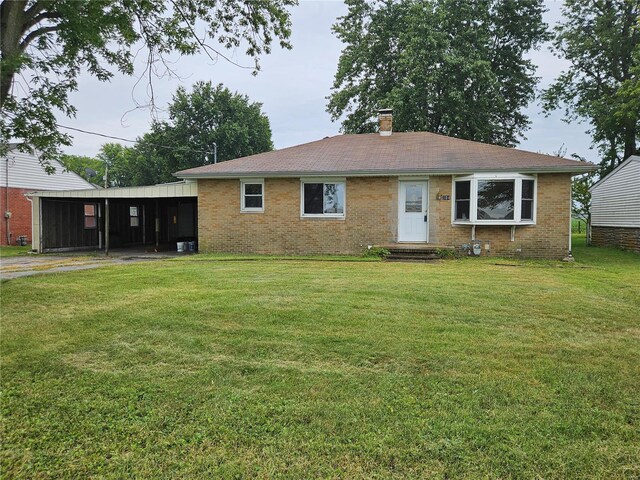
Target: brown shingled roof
{"points": [[400, 153]]}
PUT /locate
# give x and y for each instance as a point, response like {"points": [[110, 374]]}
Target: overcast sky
{"points": [[292, 86]]}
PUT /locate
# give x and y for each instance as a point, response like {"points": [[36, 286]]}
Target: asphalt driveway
{"points": [[36, 264]]}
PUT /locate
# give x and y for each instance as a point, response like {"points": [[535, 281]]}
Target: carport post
{"points": [[106, 226], [157, 219], [99, 226]]}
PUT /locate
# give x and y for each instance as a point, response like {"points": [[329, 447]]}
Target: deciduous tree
{"points": [[83, 165], [446, 66], [198, 119], [46, 44], [601, 40]]}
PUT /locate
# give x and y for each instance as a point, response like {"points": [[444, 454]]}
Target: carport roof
{"points": [[164, 190]]}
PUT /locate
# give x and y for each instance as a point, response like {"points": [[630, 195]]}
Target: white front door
{"points": [[412, 211]]}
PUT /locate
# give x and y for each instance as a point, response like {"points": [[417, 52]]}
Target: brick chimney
{"points": [[385, 119]]}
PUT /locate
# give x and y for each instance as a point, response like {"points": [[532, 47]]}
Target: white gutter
{"points": [[376, 173], [570, 218]]}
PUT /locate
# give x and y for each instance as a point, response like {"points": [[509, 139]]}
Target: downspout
{"points": [[7, 213], [570, 217], [106, 226], [31, 202], [106, 211], [569, 257], [40, 228]]}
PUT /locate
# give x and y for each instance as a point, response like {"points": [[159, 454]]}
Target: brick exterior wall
{"points": [[548, 238], [626, 238], [371, 219], [280, 230], [20, 221]]}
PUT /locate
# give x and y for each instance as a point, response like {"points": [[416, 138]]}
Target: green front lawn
{"points": [[214, 368], [13, 251]]}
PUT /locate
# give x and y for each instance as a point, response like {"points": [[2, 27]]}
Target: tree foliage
{"points": [[446, 66], [82, 165], [581, 207], [46, 44], [198, 119], [601, 40]]}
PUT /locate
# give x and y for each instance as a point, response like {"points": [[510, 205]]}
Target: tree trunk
{"points": [[630, 147], [11, 29]]}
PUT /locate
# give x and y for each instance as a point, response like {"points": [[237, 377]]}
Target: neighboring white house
{"points": [[615, 207]]}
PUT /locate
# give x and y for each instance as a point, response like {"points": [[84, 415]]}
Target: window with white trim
{"points": [[496, 199], [252, 195], [323, 199], [527, 200]]}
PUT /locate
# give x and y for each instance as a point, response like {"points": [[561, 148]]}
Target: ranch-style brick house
{"points": [[344, 193]]}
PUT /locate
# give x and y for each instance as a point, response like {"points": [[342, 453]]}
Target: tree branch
{"points": [[35, 34], [205, 47], [40, 17], [35, 9]]}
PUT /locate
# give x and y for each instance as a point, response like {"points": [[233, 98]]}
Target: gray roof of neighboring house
{"points": [[26, 171], [397, 154]]}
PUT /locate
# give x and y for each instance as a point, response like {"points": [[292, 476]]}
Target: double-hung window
{"points": [[323, 199], [252, 196], [527, 200], [495, 199]]}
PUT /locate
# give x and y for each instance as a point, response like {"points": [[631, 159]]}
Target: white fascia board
{"points": [[390, 173]]}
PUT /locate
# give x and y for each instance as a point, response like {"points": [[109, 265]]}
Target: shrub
{"points": [[446, 253], [378, 252]]}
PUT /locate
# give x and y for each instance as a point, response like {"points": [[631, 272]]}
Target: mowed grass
{"points": [[13, 251], [221, 368]]}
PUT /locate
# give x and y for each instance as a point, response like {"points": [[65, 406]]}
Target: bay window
{"points": [[495, 199], [323, 199], [498, 199]]}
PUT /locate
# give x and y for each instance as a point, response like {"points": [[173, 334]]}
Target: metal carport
{"points": [[156, 215]]}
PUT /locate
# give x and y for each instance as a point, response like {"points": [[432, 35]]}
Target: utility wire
{"points": [[206, 152]]}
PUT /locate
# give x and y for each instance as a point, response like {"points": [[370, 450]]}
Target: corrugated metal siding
{"points": [[616, 201], [167, 190], [25, 171]]}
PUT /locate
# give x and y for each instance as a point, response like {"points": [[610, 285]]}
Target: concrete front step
{"points": [[414, 252], [402, 256], [410, 260], [408, 251]]}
